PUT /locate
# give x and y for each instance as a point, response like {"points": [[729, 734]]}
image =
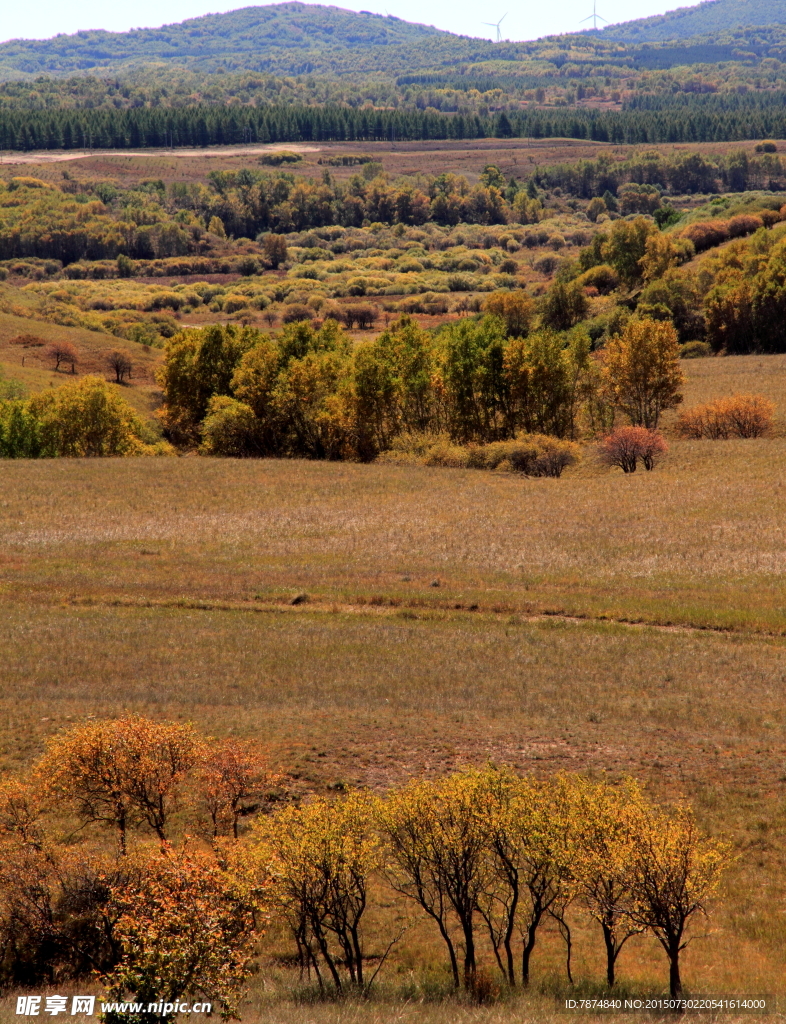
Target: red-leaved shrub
{"points": [[627, 446]]}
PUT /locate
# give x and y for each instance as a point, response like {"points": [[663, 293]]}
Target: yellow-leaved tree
{"points": [[438, 855], [321, 857], [676, 870], [529, 841], [608, 822], [87, 417], [641, 371]]}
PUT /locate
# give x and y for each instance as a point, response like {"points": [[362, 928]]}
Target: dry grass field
{"points": [[600, 623], [513, 156]]}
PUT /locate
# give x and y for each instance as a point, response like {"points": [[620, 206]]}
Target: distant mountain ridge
{"points": [[709, 17], [299, 39], [288, 38]]}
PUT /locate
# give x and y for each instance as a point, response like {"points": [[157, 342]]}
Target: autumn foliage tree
{"points": [[62, 352], [123, 773], [274, 248], [187, 927], [607, 823], [120, 364], [676, 871], [626, 447], [641, 371], [437, 857], [233, 780], [86, 418], [516, 308], [529, 876], [321, 857]]}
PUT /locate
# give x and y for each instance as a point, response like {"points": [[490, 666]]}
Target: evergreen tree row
{"points": [[202, 125]]}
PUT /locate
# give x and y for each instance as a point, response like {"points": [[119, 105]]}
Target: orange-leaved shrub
{"points": [[732, 416], [626, 447]]}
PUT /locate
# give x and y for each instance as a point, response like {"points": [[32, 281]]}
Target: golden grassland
{"points": [[599, 623]]}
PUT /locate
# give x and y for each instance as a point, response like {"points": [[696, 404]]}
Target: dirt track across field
{"points": [[81, 154]]}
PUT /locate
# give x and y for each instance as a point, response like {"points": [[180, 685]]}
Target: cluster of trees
{"points": [[83, 418], [309, 392], [154, 921], [249, 201], [40, 221], [680, 173], [745, 307], [489, 857], [735, 301], [43, 222]]}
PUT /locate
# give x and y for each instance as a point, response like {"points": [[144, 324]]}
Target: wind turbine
{"points": [[593, 17], [496, 25]]}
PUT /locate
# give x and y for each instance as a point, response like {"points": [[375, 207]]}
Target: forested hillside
{"points": [[290, 38], [307, 73], [699, 20], [299, 39]]}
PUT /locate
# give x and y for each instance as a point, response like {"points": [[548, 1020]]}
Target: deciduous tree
{"points": [[676, 872], [641, 370], [322, 856], [121, 772], [187, 928]]}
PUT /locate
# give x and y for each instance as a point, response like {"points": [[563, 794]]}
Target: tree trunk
{"points": [[121, 831], [611, 954], [675, 982], [529, 945], [358, 954], [451, 951]]}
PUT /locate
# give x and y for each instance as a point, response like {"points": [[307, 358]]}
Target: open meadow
{"points": [[602, 623]]}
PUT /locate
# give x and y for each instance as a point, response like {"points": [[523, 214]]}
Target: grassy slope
{"points": [[163, 587], [29, 365]]}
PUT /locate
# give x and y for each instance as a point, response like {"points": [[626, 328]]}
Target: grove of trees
{"points": [[309, 392], [487, 856], [84, 418]]}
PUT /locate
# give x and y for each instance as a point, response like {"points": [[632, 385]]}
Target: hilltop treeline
{"points": [[204, 125]]}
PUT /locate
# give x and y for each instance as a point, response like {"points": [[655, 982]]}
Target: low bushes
{"points": [[695, 350], [534, 455], [735, 416], [708, 234], [626, 447]]}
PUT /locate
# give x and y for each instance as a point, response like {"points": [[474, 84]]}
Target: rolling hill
{"points": [[288, 38], [708, 18], [300, 39]]}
